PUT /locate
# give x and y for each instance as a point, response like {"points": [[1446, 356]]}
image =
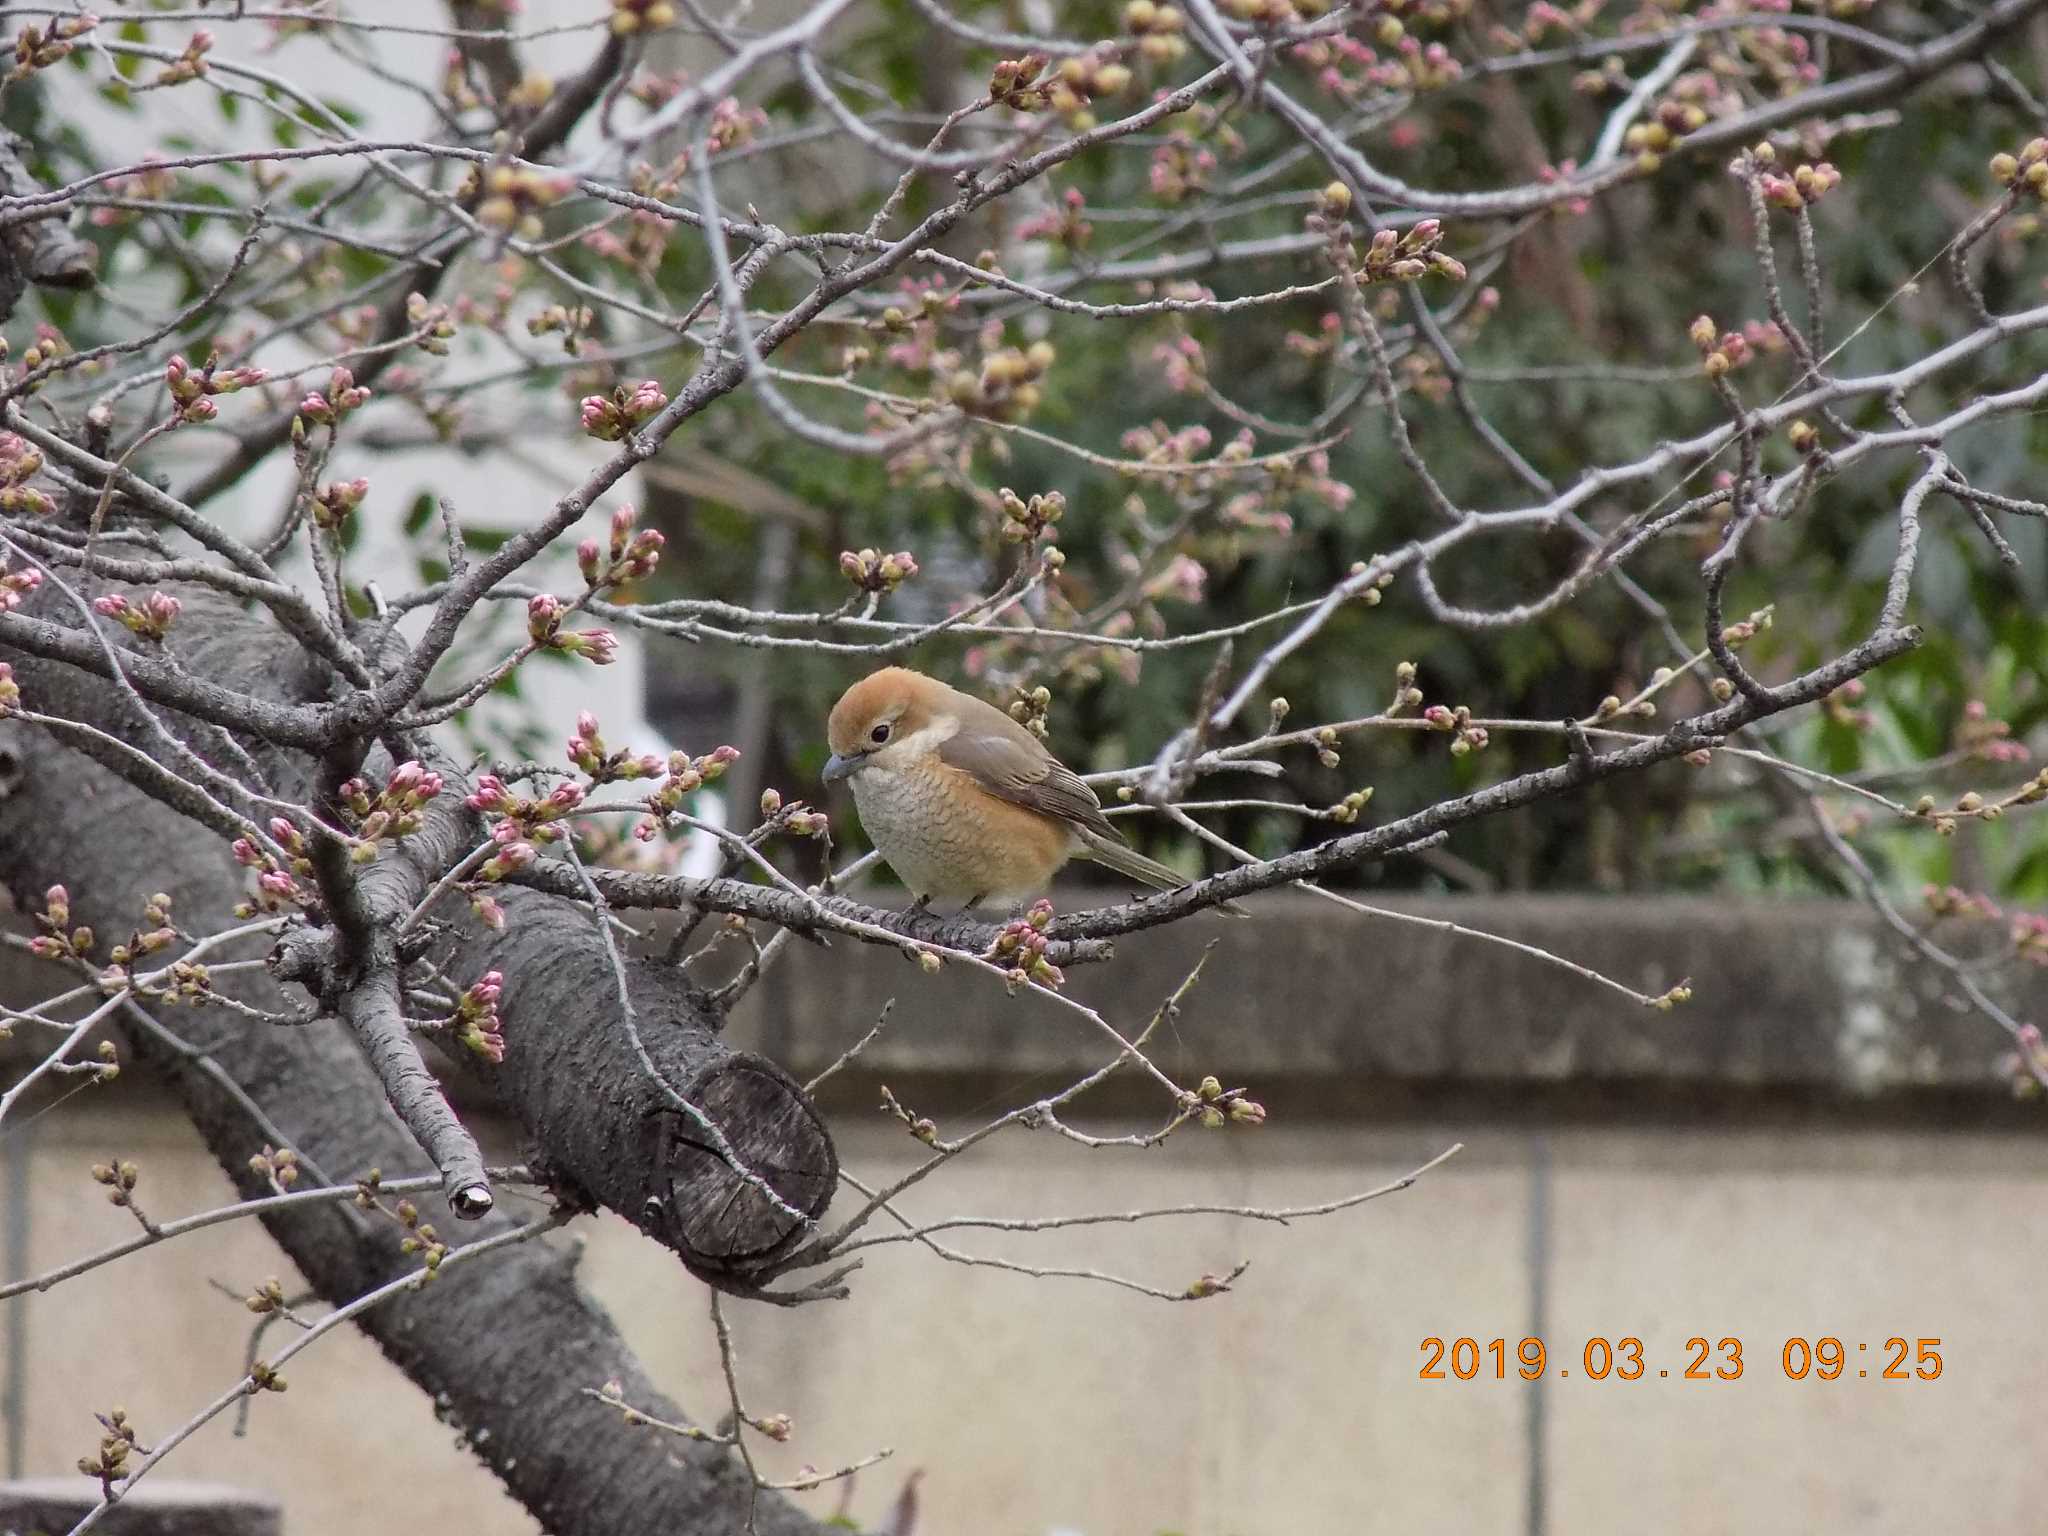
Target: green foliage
{"points": [[1641, 265]]}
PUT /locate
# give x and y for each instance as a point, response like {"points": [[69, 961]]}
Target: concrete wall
{"points": [[1662, 1176]]}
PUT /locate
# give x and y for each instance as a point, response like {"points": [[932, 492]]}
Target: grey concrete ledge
{"points": [[1327, 1012], [1811, 999]]}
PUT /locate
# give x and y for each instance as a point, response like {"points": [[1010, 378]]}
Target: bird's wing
{"points": [[1007, 761]]}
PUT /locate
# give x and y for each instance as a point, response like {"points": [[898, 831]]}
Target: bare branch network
{"points": [[231, 753]]}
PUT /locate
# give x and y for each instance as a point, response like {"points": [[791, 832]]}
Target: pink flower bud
{"points": [[16, 584], [598, 646], [509, 859], [543, 616]]}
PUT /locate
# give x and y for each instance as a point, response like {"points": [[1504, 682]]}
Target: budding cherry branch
{"points": [[1139, 350]]}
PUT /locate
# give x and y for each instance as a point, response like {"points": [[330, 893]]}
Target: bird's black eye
{"points": [[879, 734]]}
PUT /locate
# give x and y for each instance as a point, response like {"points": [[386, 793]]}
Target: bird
{"points": [[965, 804]]}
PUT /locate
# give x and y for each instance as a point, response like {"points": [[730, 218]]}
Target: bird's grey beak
{"points": [[837, 767]]}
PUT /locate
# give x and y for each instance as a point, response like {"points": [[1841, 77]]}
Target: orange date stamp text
{"points": [[1827, 1358]]}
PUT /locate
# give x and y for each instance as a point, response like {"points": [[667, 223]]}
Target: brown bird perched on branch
{"points": [[966, 804]]}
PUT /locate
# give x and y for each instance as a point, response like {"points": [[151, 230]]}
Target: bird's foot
{"points": [[919, 917]]}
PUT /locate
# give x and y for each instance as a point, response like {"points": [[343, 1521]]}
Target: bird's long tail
{"points": [[1126, 860]]}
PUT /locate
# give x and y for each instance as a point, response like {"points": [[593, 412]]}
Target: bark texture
{"points": [[50, 1506], [41, 251], [611, 1130]]}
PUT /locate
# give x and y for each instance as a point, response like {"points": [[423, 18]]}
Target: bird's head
{"points": [[879, 721]]}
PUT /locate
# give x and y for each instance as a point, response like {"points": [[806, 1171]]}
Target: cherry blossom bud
{"points": [[14, 585], [509, 859], [490, 794], [543, 616], [598, 646]]}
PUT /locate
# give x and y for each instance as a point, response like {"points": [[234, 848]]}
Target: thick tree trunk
{"points": [[507, 1345], [164, 1508], [610, 1129]]}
